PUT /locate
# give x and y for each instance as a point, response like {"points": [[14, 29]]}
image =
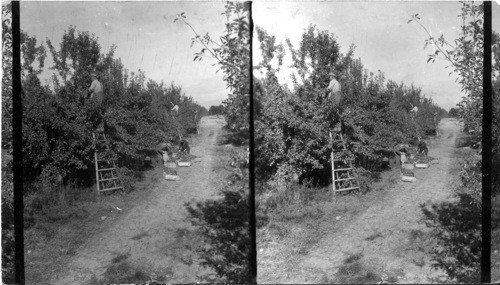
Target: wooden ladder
{"points": [[107, 178], [343, 173]]}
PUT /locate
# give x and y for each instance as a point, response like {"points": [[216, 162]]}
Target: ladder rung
{"points": [[343, 169], [347, 189], [343, 160], [344, 179], [111, 189], [108, 179], [107, 169]]}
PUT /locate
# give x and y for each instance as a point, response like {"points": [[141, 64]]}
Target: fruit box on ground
{"points": [[423, 161], [170, 174], [407, 166], [408, 176], [184, 159]]}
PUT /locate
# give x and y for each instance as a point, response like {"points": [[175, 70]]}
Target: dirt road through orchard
{"points": [[153, 234], [389, 234]]}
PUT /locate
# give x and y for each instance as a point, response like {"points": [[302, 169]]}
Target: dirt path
{"points": [[388, 234], [146, 232]]}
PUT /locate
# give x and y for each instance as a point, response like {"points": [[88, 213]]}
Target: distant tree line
{"points": [[216, 110]]}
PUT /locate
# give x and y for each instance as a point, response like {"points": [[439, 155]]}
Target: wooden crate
{"points": [[407, 166], [170, 164], [408, 178], [184, 163], [421, 165], [171, 177]]}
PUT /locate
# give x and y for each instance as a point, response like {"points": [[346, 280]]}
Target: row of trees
{"points": [[292, 122], [57, 122]]}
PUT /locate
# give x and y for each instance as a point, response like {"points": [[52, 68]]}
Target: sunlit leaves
{"points": [[232, 54], [466, 57]]}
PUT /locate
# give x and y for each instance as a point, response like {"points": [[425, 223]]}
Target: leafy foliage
{"points": [[496, 112], [58, 120], [458, 224], [224, 224], [453, 113], [457, 227], [6, 77], [216, 110], [232, 53], [465, 56], [8, 242]]}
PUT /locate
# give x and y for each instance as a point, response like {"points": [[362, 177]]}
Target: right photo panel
{"points": [[368, 130]]}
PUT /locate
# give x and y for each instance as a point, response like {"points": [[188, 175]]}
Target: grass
{"points": [[58, 222], [140, 235], [495, 238], [121, 271], [234, 138], [355, 271], [300, 217], [374, 236], [120, 257], [415, 235]]}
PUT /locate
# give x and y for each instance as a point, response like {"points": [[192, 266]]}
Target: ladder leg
{"points": [[107, 178], [333, 165]]}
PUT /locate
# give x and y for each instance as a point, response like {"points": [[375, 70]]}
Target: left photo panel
{"points": [[135, 142]]}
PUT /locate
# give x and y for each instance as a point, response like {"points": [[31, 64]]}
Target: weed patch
{"points": [[123, 272], [140, 235], [415, 235], [119, 258], [495, 237], [234, 138], [374, 236], [299, 214], [353, 258], [354, 271]]}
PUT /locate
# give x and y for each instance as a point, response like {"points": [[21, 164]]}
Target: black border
{"points": [[17, 137], [251, 145], [486, 151]]}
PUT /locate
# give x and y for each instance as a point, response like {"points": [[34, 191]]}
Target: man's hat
{"points": [[93, 74], [333, 73]]}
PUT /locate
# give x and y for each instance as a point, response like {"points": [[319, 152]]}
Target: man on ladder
{"points": [[107, 177], [334, 93], [96, 95], [343, 176]]}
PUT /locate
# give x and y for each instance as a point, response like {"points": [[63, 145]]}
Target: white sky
{"points": [[381, 34], [145, 35], [147, 38]]}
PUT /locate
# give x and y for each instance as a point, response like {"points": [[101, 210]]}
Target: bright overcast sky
{"points": [[145, 35], [147, 38], [381, 34]]}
